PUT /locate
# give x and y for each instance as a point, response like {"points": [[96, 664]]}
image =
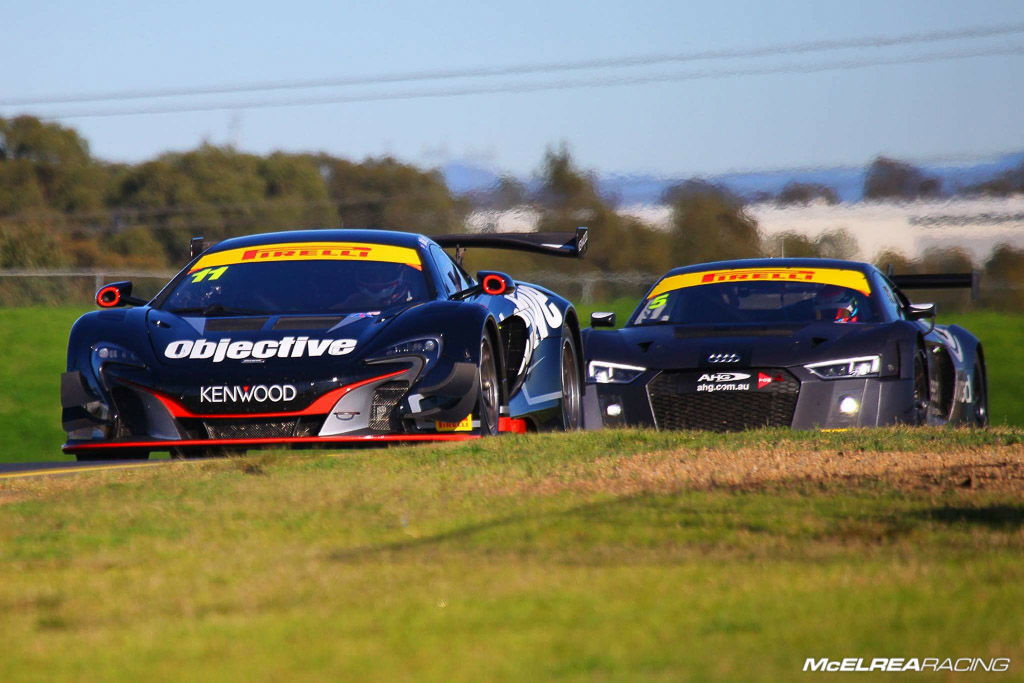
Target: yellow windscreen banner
{"points": [[311, 251], [851, 279]]}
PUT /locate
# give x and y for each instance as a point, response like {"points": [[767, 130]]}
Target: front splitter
{"points": [[284, 441]]}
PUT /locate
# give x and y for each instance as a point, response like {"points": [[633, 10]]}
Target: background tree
{"points": [[709, 224], [805, 193], [892, 179], [385, 193], [1004, 184]]}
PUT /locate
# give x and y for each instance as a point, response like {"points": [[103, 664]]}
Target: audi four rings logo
{"points": [[258, 393], [724, 358]]}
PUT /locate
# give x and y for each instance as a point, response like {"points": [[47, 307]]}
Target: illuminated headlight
{"points": [[848, 405], [429, 348], [603, 372], [865, 366]]}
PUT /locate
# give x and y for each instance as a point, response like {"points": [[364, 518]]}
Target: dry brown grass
{"points": [[992, 469]]}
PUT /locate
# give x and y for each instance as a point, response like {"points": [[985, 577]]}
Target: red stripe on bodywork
{"points": [[282, 440], [320, 406]]}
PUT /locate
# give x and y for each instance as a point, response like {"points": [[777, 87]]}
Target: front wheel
{"points": [[979, 394], [572, 406], [488, 404], [922, 389]]}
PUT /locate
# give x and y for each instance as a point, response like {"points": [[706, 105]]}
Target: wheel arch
{"points": [[490, 328], [573, 321]]}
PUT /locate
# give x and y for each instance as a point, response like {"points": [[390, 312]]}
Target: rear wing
{"points": [[938, 281], [567, 244]]}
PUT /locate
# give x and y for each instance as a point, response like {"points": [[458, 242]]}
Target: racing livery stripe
{"points": [[311, 251], [177, 443], [851, 279]]}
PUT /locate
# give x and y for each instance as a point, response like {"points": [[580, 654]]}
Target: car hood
{"points": [[689, 346]]}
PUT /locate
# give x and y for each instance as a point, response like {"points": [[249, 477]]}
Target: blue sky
{"points": [[917, 111]]}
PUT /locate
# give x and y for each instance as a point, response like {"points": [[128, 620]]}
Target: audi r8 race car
{"points": [[807, 343], [324, 337]]}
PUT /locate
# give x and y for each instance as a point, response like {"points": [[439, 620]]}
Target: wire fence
{"points": [[27, 287]]}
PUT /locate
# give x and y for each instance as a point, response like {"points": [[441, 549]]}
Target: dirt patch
{"points": [[991, 469]]}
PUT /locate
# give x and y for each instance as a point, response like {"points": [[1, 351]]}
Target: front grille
{"points": [[385, 398], [249, 429], [678, 405]]}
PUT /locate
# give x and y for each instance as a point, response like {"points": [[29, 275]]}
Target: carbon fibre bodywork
{"points": [[147, 378], [755, 373]]}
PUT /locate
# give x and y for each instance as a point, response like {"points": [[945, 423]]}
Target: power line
{"points": [[551, 85], [528, 68]]}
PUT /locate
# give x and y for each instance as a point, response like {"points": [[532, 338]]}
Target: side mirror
{"points": [[117, 294], [921, 311], [495, 283], [602, 319]]}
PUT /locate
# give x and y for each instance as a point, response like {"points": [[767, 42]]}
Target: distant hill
{"points": [[642, 188]]}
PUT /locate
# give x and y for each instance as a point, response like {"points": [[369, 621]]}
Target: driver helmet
{"points": [[837, 304], [383, 282]]}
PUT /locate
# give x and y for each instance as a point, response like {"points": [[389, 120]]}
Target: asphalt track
{"points": [[16, 470]]}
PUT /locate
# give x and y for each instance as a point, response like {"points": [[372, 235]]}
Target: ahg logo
{"points": [[723, 376]]}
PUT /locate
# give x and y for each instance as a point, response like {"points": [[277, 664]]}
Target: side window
{"points": [[451, 277]]}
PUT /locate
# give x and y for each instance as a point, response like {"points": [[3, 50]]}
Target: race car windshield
{"points": [[300, 286], [756, 302]]}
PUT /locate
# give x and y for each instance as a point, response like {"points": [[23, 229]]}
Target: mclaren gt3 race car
{"points": [[807, 343], [326, 336]]}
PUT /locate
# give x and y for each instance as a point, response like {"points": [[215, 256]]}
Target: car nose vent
{"points": [[723, 358], [385, 398], [243, 324], [308, 322]]}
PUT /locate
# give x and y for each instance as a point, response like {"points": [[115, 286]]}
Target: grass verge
{"points": [[622, 554]]}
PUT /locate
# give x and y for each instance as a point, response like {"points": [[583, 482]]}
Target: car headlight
{"points": [[428, 348], [863, 366], [105, 352], [604, 372]]}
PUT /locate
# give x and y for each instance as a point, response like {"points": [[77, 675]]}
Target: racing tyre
{"points": [[979, 392], [572, 405], [922, 391], [488, 405], [112, 454]]}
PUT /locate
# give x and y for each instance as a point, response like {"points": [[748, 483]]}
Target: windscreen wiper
{"points": [[215, 309]]}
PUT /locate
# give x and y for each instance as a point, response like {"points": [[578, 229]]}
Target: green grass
{"points": [[35, 340], [519, 558]]}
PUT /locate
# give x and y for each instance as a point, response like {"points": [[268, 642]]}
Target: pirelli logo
{"points": [[311, 251], [841, 277], [323, 251], [777, 274]]}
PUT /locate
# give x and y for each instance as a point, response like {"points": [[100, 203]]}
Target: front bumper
{"points": [[388, 406], [166, 444], [794, 398]]}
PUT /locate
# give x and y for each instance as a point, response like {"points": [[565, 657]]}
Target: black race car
{"points": [[807, 343], [324, 337]]}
